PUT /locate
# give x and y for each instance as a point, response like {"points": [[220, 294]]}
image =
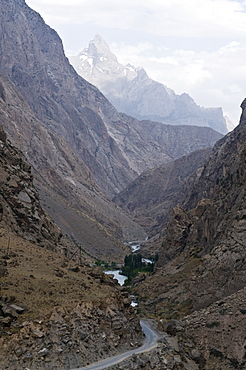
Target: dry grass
{"points": [[39, 279]]}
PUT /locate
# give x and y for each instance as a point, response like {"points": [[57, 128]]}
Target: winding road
{"points": [[150, 343]]}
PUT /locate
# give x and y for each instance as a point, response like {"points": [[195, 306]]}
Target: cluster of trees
{"points": [[106, 265], [134, 263]]}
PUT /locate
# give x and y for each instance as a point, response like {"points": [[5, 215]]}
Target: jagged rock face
{"points": [[21, 211], [203, 252], [154, 193], [73, 337], [131, 91]]}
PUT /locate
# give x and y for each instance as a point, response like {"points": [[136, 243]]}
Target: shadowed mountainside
{"points": [[154, 193], [66, 185], [202, 261]]}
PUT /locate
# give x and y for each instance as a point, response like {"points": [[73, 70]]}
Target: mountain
{"points": [[208, 221], [66, 186], [131, 90], [56, 309], [82, 150], [53, 307], [64, 103], [200, 275], [70, 107], [155, 192]]}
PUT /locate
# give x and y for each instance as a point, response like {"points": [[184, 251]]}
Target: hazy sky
{"points": [[197, 47]]}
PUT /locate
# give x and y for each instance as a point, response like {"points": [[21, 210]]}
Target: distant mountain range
{"points": [[131, 90]]}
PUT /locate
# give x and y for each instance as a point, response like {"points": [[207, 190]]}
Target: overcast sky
{"points": [[197, 47]]}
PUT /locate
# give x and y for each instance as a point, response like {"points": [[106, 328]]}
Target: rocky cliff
{"points": [[201, 267], [58, 316], [55, 312], [21, 211], [131, 90], [212, 338], [62, 101]]}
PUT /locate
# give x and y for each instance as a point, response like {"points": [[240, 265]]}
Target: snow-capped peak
{"points": [[133, 92], [99, 50]]}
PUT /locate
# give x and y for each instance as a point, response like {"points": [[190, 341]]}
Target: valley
{"points": [[85, 188]]}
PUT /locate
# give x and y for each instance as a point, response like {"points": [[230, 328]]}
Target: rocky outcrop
{"points": [[21, 211], [71, 338], [212, 338], [9, 311], [131, 91], [56, 314], [202, 259], [218, 332]]}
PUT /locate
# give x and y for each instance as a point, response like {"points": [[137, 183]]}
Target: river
{"points": [[121, 278]]}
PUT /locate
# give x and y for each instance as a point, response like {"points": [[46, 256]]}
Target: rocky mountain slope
{"points": [[212, 338], [55, 312], [155, 192], [77, 143], [66, 185], [65, 103], [201, 271], [21, 211], [131, 90]]}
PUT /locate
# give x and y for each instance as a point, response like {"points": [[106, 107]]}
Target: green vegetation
{"points": [[134, 264], [106, 265]]}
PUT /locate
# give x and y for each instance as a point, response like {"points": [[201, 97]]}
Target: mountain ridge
{"points": [[155, 192], [70, 314], [209, 224], [52, 302], [132, 92], [198, 286], [80, 147], [63, 180], [68, 105]]}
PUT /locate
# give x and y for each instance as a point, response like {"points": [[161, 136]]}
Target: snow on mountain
{"points": [[132, 92]]}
